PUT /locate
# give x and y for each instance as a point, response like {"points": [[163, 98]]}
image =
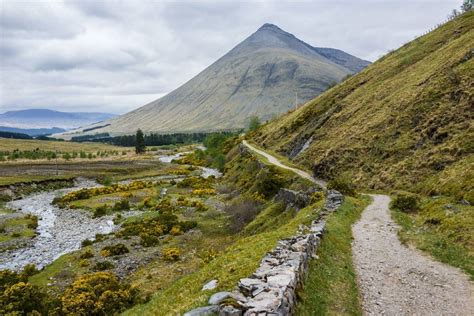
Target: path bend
{"points": [[274, 161], [397, 280]]}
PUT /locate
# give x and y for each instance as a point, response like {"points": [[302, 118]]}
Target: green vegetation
{"points": [[254, 123], [405, 202], [443, 228], [18, 227], [401, 123], [331, 287], [342, 184]]}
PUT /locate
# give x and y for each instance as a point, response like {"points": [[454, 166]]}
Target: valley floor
{"points": [[396, 280]]}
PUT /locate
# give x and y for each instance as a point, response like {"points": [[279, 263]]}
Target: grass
{"points": [[7, 144], [19, 226], [404, 122], [331, 287], [238, 261], [443, 229]]}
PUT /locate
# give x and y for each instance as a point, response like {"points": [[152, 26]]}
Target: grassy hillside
{"points": [[405, 122]]}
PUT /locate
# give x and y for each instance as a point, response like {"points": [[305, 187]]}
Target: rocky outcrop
{"points": [[271, 289], [297, 199]]}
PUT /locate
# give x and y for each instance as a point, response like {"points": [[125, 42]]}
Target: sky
{"points": [[115, 56]]}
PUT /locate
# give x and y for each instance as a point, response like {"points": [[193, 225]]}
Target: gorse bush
{"points": [[123, 205], [171, 254], [406, 202], [98, 293], [115, 250]]}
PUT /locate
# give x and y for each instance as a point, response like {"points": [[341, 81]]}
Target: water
{"points": [[60, 231]]}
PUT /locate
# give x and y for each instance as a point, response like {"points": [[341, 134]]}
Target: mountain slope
{"points": [[404, 122], [259, 76], [44, 118]]}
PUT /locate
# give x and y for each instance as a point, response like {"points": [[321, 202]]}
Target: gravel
{"points": [[396, 280], [60, 231]]}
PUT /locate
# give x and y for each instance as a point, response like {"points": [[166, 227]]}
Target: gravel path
{"points": [[276, 162], [396, 280]]}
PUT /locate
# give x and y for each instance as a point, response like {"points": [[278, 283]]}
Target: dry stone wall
{"points": [[271, 289]]}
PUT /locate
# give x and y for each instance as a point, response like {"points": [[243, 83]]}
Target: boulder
{"points": [[211, 285], [218, 297]]}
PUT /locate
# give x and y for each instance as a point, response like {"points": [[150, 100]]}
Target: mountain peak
{"points": [[269, 26]]}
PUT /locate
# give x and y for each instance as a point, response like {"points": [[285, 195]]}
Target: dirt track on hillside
{"points": [[396, 280]]}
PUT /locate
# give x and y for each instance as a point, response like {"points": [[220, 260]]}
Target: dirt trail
{"points": [[276, 162], [396, 280]]}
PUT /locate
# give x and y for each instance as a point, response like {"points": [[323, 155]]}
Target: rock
{"points": [[209, 285], [296, 199], [203, 311], [230, 311], [464, 202], [218, 297]]}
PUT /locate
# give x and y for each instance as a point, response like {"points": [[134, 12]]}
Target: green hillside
{"points": [[405, 122]]}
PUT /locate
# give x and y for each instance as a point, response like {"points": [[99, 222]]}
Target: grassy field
{"points": [[8, 144], [331, 287]]}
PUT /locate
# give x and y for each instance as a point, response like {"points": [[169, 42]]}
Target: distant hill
{"points": [[32, 119], [260, 76], [32, 131], [404, 122]]}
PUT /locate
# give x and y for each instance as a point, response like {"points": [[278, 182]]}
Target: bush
{"points": [[171, 254], [21, 299], [100, 211], [86, 254], [342, 184], [147, 240], [115, 250], [29, 270], [98, 293], [406, 202], [86, 242], [103, 265], [122, 205], [242, 211]]}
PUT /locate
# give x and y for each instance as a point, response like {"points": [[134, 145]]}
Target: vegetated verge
{"points": [[331, 287], [439, 225]]}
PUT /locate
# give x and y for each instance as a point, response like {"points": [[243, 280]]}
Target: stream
{"points": [[61, 231]]}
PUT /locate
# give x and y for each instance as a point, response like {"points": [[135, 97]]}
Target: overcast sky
{"points": [[114, 56]]}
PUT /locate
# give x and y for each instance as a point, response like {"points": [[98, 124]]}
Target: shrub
{"points": [[29, 270], [342, 184], [98, 293], [175, 231], [122, 205], [242, 211], [147, 240], [406, 202], [86, 242], [86, 254], [8, 278], [21, 299], [100, 210], [84, 263], [115, 250], [171, 254], [103, 265]]}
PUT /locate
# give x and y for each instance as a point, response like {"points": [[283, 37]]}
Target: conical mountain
{"points": [[260, 76]]}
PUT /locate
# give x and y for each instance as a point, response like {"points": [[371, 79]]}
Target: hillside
{"points": [[260, 76], [27, 121], [405, 122]]}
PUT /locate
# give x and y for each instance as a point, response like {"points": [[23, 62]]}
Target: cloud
{"points": [[114, 56]]}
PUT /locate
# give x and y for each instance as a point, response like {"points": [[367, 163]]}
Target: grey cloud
{"points": [[118, 55]]}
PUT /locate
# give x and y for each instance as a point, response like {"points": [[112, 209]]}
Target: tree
{"points": [[466, 6], [139, 142], [254, 123]]}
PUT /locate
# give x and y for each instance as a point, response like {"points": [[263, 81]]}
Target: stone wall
{"points": [[271, 289]]}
